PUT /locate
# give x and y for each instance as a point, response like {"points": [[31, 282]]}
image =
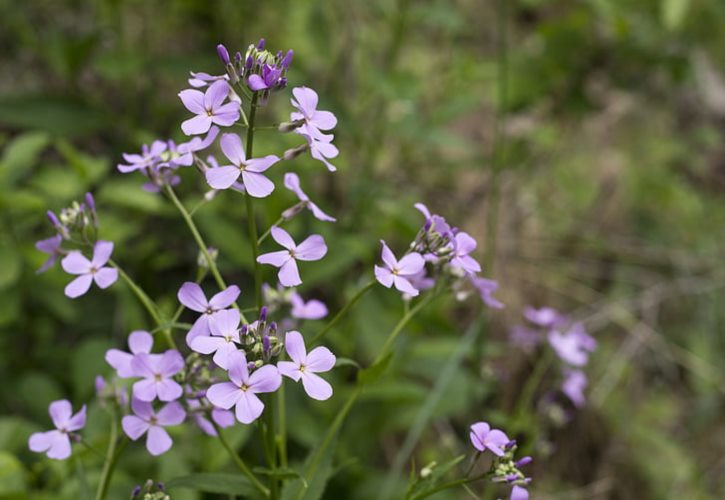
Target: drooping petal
{"points": [[316, 387], [105, 276], [292, 182], [192, 296], [225, 298], [312, 248], [41, 441], [77, 421], [101, 253], [405, 286], [320, 359], [265, 379], [60, 412], [256, 184], [215, 95], [294, 344], [171, 414], [199, 124], [384, 276], [412, 263], [140, 341], [193, 101], [232, 148], [75, 263], [289, 369], [223, 395], [387, 256], [277, 259], [78, 286], [222, 177], [60, 448], [249, 407], [283, 237], [134, 427], [289, 274], [319, 214], [158, 440], [168, 390]]}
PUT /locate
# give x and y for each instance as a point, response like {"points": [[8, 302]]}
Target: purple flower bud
{"points": [[90, 202], [249, 62], [53, 219], [273, 327], [260, 45], [244, 329], [287, 59], [251, 366], [238, 57], [100, 384], [279, 54], [221, 50], [160, 486], [263, 314], [510, 444], [524, 461], [136, 491], [265, 343]]}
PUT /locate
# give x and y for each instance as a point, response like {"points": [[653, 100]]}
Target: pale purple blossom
{"points": [[573, 386], [139, 342], [241, 392], [305, 366], [397, 272], [148, 158], [147, 421], [322, 150], [486, 288], [192, 296], [545, 317], [224, 338], [519, 493], [157, 371], [222, 418], [51, 246], [573, 346], [312, 309], [463, 244], [199, 79], [56, 443], [255, 182], [209, 108], [271, 77], [89, 270], [484, 438], [312, 248], [434, 222], [305, 100], [292, 182]]}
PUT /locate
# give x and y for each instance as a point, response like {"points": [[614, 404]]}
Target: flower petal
{"points": [[222, 177], [316, 387], [289, 369], [223, 395], [193, 101], [60, 412], [283, 238], [105, 277], [249, 407], [77, 421], [75, 263], [171, 414], [215, 94], [232, 148], [294, 344], [276, 259], [225, 298], [60, 448], [405, 286], [168, 390], [292, 182], [158, 440], [387, 256], [312, 248], [412, 263], [261, 164], [134, 427], [224, 322], [320, 359], [78, 286], [288, 274], [265, 379], [306, 100], [256, 184], [384, 276], [199, 124], [205, 344], [191, 295], [140, 341], [101, 253]]}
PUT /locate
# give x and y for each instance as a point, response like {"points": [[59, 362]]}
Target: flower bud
{"points": [[263, 314], [261, 44], [294, 153], [293, 210], [90, 202], [221, 50], [524, 461], [287, 59], [428, 469]]}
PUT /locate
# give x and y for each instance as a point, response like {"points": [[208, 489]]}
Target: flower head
{"points": [[313, 120], [192, 296], [312, 309], [148, 158], [224, 338], [242, 389], [51, 246], [89, 270], [147, 421], [209, 108], [484, 438], [56, 443], [575, 381], [397, 272], [304, 366], [312, 248], [139, 342], [292, 182], [157, 371], [255, 182], [573, 346], [463, 244]]}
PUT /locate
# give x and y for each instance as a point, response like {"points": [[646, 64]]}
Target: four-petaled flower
{"points": [[192, 296], [305, 365], [89, 270], [243, 388], [397, 272], [139, 342], [208, 108], [292, 182], [147, 421], [312, 309], [157, 370], [51, 246], [269, 78], [255, 182], [149, 157], [312, 248], [484, 438], [305, 100], [463, 244], [574, 346], [56, 443], [224, 326]]}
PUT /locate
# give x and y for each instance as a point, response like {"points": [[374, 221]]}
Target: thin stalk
{"points": [[271, 443], [240, 463], [343, 311], [269, 230], [251, 221], [112, 453], [282, 424], [450, 484], [399, 327], [532, 383]]}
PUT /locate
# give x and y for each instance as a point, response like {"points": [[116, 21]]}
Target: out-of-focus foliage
{"points": [[582, 142]]}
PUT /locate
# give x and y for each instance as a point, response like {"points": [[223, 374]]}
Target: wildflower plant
{"points": [[249, 342]]}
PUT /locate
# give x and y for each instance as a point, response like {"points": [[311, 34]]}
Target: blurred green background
{"points": [[581, 142]]}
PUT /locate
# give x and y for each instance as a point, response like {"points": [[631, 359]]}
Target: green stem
{"points": [[532, 383], [277, 223], [112, 454], [251, 221], [450, 484], [399, 327], [271, 443], [199, 240], [282, 423], [240, 463], [343, 311]]}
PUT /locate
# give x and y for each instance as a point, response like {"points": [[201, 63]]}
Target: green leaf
{"points": [[280, 473], [375, 371], [21, 154], [12, 475], [674, 13], [9, 264], [230, 484], [59, 116], [346, 362]]}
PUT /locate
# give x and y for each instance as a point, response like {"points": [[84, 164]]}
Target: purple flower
{"points": [[223, 418], [545, 317], [464, 244], [56, 443], [485, 288], [397, 272], [305, 365], [157, 370], [574, 346], [271, 76], [201, 79], [305, 100], [89, 270], [484, 438], [208, 108], [224, 326], [147, 421], [312, 309], [192, 296], [575, 382], [139, 342], [51, 246], [519, 493], [292, 182], [223, 54], [312, 248], [256, 183], [242, 391], [434, 222], [148, 157], [322, 150]]}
